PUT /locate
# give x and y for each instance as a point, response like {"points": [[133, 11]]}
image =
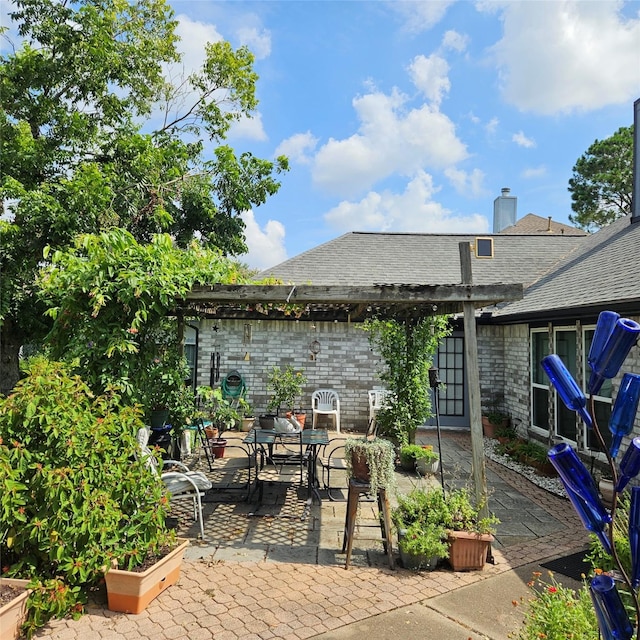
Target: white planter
{"points": [[427, 468]]}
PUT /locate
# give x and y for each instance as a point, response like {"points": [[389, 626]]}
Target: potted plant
{"points": [[422, 537], [421, 458], [73, 454], [407, 348], [371, 461], [286, 388], [493, 417], [469, 532], [247, 417], [505, 433], [13, 606]]}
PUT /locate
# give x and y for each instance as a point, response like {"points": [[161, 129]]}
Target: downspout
{"points": [[635, 197]]}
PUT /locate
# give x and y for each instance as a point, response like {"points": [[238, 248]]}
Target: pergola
{"points": [[404, 302]]}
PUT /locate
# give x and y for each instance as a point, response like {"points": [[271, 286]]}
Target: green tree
{"points": [[602, 182], [80, 97], [407, 347], [111, 297]]}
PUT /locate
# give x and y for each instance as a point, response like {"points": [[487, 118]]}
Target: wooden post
{"points": [[473, 384]]}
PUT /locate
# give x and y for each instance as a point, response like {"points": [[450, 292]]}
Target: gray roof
{"points": [[364, 259], [600, 273]]}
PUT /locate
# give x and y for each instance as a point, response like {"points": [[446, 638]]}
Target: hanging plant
{"points": [[379, 456]]}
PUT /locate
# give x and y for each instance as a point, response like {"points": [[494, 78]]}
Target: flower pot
{"points": [[427, 467], [418, 562], [131, 592], [218, 445], [407, 463], [267, 421], [247, 423], [13, 613], [360, 467], [212, 432], [159, 417], [468, 551], [300, 417]]}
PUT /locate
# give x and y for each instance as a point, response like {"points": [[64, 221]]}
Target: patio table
{"points": [[311, 439]]}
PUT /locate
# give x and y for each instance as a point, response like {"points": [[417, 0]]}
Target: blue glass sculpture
{"points": [[624, 410], [608, 361], [582, 491], [606, 322], [566, 386], [634, 536], [614, 620], [630, 465]]}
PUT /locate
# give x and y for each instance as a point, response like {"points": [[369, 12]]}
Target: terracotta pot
{"points": [[131, 592], [211, 432], [13, 613], [301, 417], [360, 467], [218, 445], [468, 551]]}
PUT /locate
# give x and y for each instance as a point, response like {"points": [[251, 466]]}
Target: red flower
{"points": [[552, 590]]}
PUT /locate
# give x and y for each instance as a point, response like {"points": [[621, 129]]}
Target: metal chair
{"points": [[182, 484], [326, 402]]}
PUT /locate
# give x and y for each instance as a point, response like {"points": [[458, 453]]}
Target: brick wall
{"points": [[345, 361]]}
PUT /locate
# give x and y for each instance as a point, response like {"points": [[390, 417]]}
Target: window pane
{"points": [[540, 349], [540, 408]]}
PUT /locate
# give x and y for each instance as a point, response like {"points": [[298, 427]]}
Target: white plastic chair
{"points": [[326, 402], [377, 400], [182, 484]]}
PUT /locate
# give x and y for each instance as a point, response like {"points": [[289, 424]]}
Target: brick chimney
{"points": [[504, 210]]}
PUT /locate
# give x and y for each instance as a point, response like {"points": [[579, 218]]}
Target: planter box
{"points": [[13, 613], [131, 592], [468, 551]]}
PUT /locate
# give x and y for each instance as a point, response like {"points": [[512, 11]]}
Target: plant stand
{"points": [[13, 613], [356, 489], [131, 592]]}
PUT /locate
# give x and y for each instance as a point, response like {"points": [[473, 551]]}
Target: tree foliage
{"points": [[96, 134], [407, 348], [602, 184], [110, 298]]}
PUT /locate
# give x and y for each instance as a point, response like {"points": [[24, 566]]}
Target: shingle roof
{"points": [[533, 224], [363, 259], [601, 271]]}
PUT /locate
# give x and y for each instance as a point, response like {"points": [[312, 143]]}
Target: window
{"points": [[539, 381], [190, 352], [450, 359], [565, 347], [602, 402]]}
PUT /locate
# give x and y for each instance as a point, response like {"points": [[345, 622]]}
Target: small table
{"points": [[312, 439]]}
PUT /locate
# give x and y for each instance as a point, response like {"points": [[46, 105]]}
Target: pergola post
{"points": [[473, 385]]}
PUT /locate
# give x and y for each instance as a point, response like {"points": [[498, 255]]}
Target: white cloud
{"points": [[194, 36], [567, 55], [390, 140], [468, 184], [266, 247], [522, 141], [415, 210], [534, 172], [259, 42], [298, 147], [419, 16], [455, 41], [250, 128], [492, 126], [430, 76]]}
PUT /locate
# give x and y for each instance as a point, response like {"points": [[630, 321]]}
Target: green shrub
{"points": [[413, 452], [558, 613], [73, 499]]}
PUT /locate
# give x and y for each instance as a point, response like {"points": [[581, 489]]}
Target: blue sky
{"points": [[412, 116]]}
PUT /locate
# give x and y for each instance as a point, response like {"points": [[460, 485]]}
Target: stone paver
{"points": [[261, 575]]}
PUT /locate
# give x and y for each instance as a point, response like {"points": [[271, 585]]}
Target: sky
{"points": [[410, 116]]}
